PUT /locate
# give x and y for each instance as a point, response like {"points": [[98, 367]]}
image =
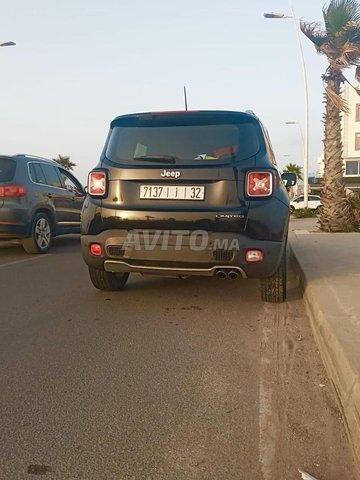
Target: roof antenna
{"points": [[185, 98]]}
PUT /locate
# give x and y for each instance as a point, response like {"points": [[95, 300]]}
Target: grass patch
{"points": [[350, 227], [305, 213]]}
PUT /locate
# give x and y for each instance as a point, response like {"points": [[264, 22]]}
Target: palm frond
{"points": [[349, 55], [338, 14], [293, 168], [337, 100], [330, 50], [350, 33], [357, 90], [314, 33]]}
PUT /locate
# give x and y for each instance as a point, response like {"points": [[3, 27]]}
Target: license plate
{"points": [[172, 192]]}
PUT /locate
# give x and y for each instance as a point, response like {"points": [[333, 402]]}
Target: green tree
{"points": [[65, 162], [339, 41], [293, 168]]}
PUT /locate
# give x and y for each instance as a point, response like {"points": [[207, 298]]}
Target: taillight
{"points": [[259, 184], [97, 184], [95, 249], [12, 191], [253, 256]]}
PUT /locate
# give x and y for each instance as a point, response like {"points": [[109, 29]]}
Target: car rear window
{"points": [[7, 169], [194, 144]]}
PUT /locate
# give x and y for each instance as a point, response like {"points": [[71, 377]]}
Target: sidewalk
{"points": [[329, 268]]}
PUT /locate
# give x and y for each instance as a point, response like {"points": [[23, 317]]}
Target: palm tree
{"points": [[65, 162], [293, 168], [339, 41]]}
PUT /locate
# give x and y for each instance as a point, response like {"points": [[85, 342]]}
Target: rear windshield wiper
{"points": [[156, 158]]}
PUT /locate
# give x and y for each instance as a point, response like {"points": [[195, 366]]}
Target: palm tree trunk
{"points": [[335, 214]]}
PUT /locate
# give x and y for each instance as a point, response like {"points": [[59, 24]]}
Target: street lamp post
{"points": [[7, 44], [298, 124], [306, 94], [301, 133]]}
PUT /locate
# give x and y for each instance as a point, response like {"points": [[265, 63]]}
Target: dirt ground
{"points": [[301, 425]]}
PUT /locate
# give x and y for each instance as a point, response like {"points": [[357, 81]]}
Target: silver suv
{"points": [[38, 200]]}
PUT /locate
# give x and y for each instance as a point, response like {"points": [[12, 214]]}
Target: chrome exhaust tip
{"points": [[233, 274], [221, 274]]}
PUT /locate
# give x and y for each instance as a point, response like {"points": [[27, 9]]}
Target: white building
{"points": [[351, 133], [351, 141]]}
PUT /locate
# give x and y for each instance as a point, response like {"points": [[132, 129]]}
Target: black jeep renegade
{"points": [[187, 193]]}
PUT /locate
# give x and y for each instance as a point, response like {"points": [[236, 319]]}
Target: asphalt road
{"points": [[169, 379]]}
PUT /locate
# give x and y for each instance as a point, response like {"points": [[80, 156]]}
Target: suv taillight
{"points": [[97, 184], [259, 184], [12, 191]]}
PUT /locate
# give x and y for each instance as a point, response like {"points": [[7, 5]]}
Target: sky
{"points": [[77, 64]]}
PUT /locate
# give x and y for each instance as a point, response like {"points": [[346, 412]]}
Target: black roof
{"points": [[183, 116]]}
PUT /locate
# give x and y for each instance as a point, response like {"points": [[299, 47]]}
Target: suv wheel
{"points": [[273, 289], [41, 235], [292, 209], [107, 280]]}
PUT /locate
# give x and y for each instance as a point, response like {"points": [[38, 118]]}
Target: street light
{"points": [[301, 132], [7, 44], [273, 15]]}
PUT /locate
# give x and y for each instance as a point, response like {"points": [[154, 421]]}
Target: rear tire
{"points": [[292, 209], [107, 281], [273, 289], [41, 235]]}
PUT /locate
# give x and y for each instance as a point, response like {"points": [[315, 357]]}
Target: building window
{"points": [[357, 141], [357, 112], [352, 168]]}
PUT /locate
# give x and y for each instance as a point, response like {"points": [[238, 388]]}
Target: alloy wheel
{"points": [[42, 233]]}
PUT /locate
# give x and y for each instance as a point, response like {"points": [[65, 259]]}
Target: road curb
{"points": [[343, 375]]}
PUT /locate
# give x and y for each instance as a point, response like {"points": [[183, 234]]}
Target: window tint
{"points": [[7, 169], [51, 175], [36, 173], [209, 144]]}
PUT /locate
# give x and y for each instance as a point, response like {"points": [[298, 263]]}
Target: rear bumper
{"points": [[14, 223], [180, 253], [124, 266]]}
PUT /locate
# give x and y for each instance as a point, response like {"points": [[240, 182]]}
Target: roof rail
{"points": [[27, 155]]}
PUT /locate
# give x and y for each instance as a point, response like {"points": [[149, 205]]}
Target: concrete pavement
{"points": [[329, 268]]}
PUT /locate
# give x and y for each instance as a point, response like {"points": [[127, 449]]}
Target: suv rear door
{"points": [[181, 167]]}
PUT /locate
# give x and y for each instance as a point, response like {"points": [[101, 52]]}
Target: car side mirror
{"points": [[289, 179]]}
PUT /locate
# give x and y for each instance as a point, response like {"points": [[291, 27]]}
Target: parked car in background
{"points": [[187, 193], [314, 203], [38, 201]]}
